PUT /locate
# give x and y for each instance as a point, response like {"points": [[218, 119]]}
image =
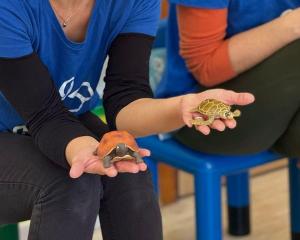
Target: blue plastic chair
{"points": [[208, 170]]}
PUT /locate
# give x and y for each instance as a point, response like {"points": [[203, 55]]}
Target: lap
{"points": [[22, 162], [28, 179], [24, 173]]}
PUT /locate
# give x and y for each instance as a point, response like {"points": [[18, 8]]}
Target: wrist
{"points": [[185, 100], [77, 145]]}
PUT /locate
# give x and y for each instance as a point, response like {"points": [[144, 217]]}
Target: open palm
{"points": [[190, 101], [87, 162]]}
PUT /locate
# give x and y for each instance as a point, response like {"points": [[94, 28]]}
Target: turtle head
{"points": [[121, 149], [232, 115], [227, 115], [237, 113]]}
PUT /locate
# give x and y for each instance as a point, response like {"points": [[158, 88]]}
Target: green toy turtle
{"points": [[212, 109]]}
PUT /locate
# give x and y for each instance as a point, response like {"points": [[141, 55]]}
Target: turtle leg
{"points": [[137, 157], [107, 161], [199, 121], [237, 113]]}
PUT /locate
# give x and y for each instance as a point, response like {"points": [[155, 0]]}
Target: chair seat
{"points": [[173, 153], [9, 232]]}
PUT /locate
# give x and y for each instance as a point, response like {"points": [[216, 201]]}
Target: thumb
{"points": [[77, 170], [234, 98]]}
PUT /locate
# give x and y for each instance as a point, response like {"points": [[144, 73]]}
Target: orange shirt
{"points": [[203, 44]]}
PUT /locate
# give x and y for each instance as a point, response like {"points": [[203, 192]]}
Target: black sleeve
{"points": [[127, 75], [27, 85]]}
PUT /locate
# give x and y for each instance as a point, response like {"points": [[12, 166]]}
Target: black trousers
{"points": [[61, 208], [273, 121]]}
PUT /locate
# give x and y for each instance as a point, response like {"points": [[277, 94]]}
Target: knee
{"points": [[132, 191], [137, 202], [289, 145], [288, 148], [142, 204], [125, 182]]}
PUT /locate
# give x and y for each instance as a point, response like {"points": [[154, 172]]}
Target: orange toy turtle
{"points": [[116, 146]]}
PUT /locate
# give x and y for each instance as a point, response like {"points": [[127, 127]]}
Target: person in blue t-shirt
{"points": [[243, 46], [51, 56]]}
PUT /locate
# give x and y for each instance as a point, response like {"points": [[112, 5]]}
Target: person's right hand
{"points": [[81, 155]]}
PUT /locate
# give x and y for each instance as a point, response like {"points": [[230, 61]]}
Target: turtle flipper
{"points": [[137, 157], [199, 121], [107, 161], [237, 113]]}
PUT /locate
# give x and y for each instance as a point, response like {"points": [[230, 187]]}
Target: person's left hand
{"points": [[191, 101]]}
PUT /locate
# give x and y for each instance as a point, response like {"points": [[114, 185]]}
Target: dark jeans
{"points": [[273, 121], [32, 187]]}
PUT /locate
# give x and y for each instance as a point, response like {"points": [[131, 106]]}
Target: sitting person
{"points": [[51, 56], [245, 46]]}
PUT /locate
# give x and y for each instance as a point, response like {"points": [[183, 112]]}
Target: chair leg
{"points": [[238, 204], [9, 232], [294, 177], [208, 206], [152, 165]]}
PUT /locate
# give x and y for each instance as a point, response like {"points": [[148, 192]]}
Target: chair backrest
{"points": [[176, 79], [158, 56], [160, 39]]}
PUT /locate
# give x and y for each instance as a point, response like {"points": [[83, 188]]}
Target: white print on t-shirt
{"points": [[66, 88], [22, 129]]}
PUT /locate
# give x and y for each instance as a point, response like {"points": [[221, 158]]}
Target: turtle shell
{"points": [[111, 139], [213, 107]]}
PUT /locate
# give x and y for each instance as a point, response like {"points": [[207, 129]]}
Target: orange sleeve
{"points": [[203, 45]]}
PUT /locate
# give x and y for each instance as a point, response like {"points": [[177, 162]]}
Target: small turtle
{"points": [[213, 109], [116, 146]]}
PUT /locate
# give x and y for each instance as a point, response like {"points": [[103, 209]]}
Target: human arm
{"points": [[213, 59], [128, 98], [27, 85], [151, 116]]}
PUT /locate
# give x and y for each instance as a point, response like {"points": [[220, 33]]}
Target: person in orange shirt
{"points": [[245, 46]]}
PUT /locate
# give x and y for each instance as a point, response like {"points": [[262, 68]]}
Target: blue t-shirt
{"points": [[242, 15], [28, 26]]}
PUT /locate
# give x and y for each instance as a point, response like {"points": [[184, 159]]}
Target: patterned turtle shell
{"points": [[213, 109]]}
